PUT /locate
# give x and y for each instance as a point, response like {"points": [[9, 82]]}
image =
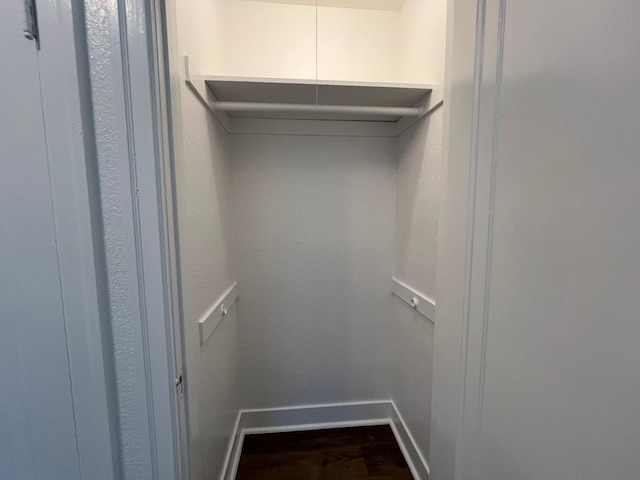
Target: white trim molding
{"points": [[415, 459], [322, 416], [416, 300], [274, 126], [75, 194], [129, 135], [219, 309]]}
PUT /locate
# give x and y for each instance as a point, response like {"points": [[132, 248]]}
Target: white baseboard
{"points": [[416, 461], [316, 417]]}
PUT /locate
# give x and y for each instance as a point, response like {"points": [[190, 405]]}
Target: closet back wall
{"points": [[282, 40], [313, 225]]}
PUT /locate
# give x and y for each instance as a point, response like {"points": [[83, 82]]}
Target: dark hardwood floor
{"points": [[334, 454]]}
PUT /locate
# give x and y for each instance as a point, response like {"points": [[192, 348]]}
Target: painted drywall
{"points": [[279, 40], [367, 4], [112, 143], [358, 45], [288, 40], [314, 219], [418, 202], [202, 33], [419, 152], [203, 194], [421, 41], [268, 40], [419, 196], [557, 322], [313, 235]]}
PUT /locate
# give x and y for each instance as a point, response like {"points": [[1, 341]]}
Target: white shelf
{"points": [[325, 107], [278, 98]]}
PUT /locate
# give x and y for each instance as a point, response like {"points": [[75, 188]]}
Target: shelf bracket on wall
{"points": [[426, 107], [198, 86], [416, 300]]}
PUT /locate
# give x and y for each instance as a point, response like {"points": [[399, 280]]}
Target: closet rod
{"points": [[311, 108]]}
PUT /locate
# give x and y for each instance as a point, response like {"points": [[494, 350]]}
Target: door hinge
{"points": [[30, 29], [179, 384]]}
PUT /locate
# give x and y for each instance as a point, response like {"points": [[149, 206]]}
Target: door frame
{"points": [[75, 203], [473, 76], [140, 39], [123, 58]]}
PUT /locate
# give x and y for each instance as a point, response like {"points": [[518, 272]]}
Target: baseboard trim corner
{"points": [[417, 463], [233, 450], [315, 417]]}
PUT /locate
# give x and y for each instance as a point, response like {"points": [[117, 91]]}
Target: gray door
{"points": [[37, 430]]}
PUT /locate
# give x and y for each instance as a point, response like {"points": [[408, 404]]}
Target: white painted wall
{"points": [[419, 194], [314, 219], [555, 315], [202, 32], [202, 192], [268, 40], [371, 4], [419, 152], [418, 202], [358, 45], [421, 41], [313, 234], [279, 40], [264, 39]]}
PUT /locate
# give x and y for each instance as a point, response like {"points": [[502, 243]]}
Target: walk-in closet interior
{"points": [[307, 164]]}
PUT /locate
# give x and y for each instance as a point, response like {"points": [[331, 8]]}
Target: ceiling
{"points": [[363, 4]]}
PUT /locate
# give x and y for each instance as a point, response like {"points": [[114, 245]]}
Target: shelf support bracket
{"points": [[197, 84]]}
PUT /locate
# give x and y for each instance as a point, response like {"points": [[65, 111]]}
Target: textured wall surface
{"points": [[207, 272], [264, 39], [277, 40], [419, 191], [313, 236], [203, 194], [117, 218], [421, 40], [314, 220], [419, 154]]}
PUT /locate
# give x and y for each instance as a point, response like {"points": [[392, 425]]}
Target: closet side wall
{"points": [[203, 196], [418, 201], [313, 234]]}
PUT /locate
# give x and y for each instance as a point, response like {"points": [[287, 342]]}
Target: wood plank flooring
{"points": [[355, 453]]}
